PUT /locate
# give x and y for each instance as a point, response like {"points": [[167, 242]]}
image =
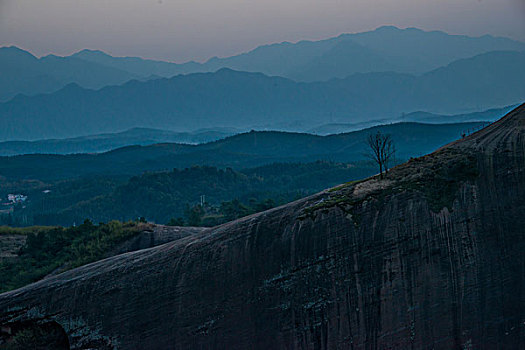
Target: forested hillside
{"points": [[162, 196], [245, 150]]}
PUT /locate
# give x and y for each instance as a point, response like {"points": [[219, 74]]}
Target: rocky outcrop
{"points": [[430, 258], [10, 244], [154, 236]]}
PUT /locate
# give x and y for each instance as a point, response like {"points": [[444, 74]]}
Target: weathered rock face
{"points": [[431, 258], [10, 245], [157, 235]]}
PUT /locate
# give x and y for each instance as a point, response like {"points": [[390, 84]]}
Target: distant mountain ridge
{"points": [[105, 142], [245, 100], [23, 73], [144, 137], [489, 115], [244, 150], [385, 49]]}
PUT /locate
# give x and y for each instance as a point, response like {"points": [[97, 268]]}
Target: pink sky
{"points": [[181, 30]]}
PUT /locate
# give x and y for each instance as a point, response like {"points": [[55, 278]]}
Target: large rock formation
{"points": [[429, 258], [153, 236]]}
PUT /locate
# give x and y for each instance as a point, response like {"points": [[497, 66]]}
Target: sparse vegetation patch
{"points": [[437, 176], [57, 249]]}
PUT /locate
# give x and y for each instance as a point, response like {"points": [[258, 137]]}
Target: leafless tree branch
{"points": [[382, 151]]}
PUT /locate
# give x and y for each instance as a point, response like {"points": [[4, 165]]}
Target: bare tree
{"points": [[389, 152], [382, 150]]}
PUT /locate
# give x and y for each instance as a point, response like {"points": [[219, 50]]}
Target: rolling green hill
{"points": [[240, 151], [260, 166]]}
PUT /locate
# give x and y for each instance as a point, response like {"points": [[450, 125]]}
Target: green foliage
{"points": [[246, 150], [437, 176], [234, 209], [209, 215], [160, 196], [442, 180], [6, 230], [56, 249], [194, 215], [175, 222]]}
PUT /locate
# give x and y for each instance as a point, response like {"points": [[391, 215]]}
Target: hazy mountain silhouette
{"points": [[23, 73], [136, 65], [106, 142], [244, 100], [385, 49], [489, 115], [143, 136]]}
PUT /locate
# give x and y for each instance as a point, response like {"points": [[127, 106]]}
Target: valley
{"points": [[165, 181]]}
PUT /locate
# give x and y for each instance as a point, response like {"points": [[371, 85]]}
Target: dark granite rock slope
{"points": [[429, 258]]}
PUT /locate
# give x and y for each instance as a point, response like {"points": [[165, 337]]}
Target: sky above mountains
{"points": [[181, 30]]}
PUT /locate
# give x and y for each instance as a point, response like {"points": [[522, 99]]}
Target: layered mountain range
{"points": [[352, 78], [144, 136], [248, 149], [430, 256], [238, 99], [385, 49]]}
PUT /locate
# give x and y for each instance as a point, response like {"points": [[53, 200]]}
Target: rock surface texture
{"points": [[155, 236], [430, 258], [10, 245]]}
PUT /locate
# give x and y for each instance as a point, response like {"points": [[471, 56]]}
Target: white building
{"points": [[16, 198]]}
